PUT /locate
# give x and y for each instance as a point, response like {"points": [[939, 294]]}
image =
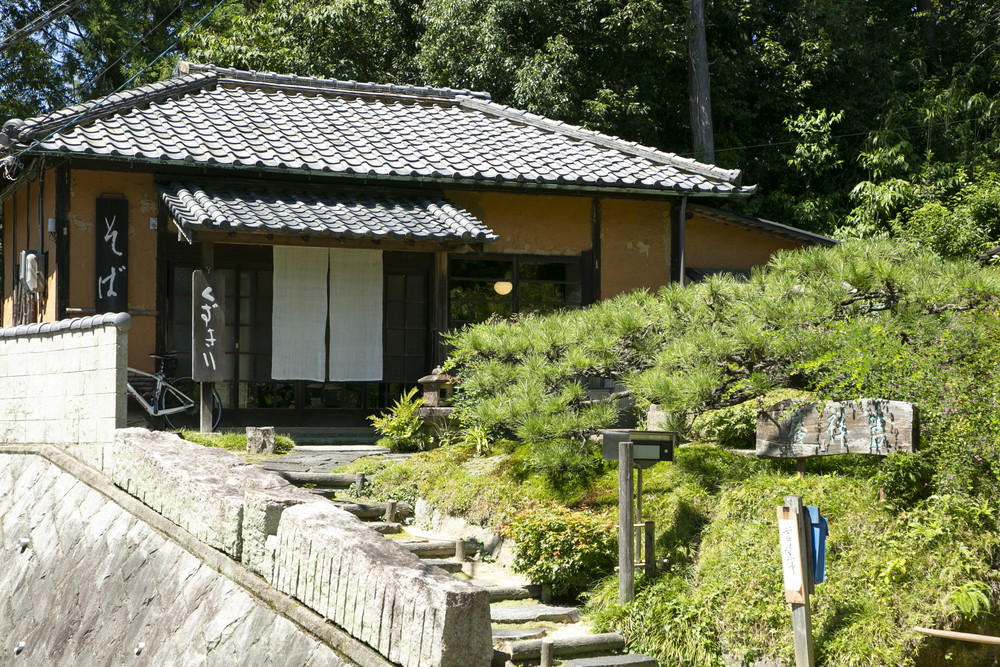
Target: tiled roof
{"points": [[760, 225], [270, 122], [317, 211]]}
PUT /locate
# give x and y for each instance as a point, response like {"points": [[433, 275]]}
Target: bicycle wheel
{"points": [[188, 419]]}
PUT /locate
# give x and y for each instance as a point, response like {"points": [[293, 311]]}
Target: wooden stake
{"points": [[626, 556], [801, 613], [650, 551]]}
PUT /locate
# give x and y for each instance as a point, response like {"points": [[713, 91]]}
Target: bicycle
{"points": [[170, 399]]}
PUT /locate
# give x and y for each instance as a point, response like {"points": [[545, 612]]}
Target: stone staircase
{"points": [[527, 629], [522, 623]]}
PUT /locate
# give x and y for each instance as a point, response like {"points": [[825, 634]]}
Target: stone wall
{"points": [[64, 382], [96, 585], [411, 613]]}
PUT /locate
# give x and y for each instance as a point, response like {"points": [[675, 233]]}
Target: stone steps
{"points": [[450, 566], [501, 593], [534, 613], [525, 650], [434, 548]]}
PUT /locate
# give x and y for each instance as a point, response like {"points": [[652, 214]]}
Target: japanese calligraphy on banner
{"points": [[208, 326], [795, 429], [111, 255]]}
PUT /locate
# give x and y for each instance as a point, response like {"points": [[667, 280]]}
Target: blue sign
{"points": [[818, 530]]}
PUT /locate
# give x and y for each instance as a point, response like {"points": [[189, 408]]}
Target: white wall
{"points": [[64, 382]]}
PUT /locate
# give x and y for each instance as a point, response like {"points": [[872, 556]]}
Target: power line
{"points": [[12, 159], [125, 54], [39, 23], [843, 136]]}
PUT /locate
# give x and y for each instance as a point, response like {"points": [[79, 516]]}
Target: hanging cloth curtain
{"points": [[298, 324], [355, 315]]}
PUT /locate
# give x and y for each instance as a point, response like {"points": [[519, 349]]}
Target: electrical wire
{"points": [[34, 26], [843, 136], [139, 42], [12, 162]]}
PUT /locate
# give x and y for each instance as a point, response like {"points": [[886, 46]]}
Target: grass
{"points": [[236, 443], [933, 563]]}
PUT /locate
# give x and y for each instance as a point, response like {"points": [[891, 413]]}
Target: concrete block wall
{"points": [[64, 382], [410, 613]]}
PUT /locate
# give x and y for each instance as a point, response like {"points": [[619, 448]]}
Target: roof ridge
{"points": [[331, 85], [17, 129], [732, 176]]}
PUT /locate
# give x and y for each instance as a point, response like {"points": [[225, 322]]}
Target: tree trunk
{"points": [[699, 93]]}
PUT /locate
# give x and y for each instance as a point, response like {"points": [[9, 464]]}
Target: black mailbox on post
{"points": [[648, 447]]}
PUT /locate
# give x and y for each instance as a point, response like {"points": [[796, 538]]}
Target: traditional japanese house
{"points": [[344, 227]]}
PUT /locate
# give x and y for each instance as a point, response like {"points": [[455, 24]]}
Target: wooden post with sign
{"points": [[797, 574], [207, 330], [626, 556]]}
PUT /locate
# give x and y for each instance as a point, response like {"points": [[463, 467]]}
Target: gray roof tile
{"points": [[247, 119], [318, 211]]}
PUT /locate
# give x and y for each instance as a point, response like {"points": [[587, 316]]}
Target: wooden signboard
{"points": [[797, 429], [208, 326], [111, 255]]}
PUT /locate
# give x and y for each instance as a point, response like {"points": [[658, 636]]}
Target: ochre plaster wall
{"points": [[710, 244], [20, 215], [531, 224], [86, 186], [635, 245]]}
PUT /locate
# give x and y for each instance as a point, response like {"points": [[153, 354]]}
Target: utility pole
{"points": [[699, 87]]}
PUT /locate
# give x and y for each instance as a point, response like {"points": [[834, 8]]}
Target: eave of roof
{"points": [[761, 225], [296, 209], [150, 124]]}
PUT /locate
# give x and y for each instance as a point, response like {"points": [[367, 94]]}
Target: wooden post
{"points": [[460, 551], [650, 551], [800, 468], [638, 510], [798, 576], [359, 483], [546, 657], [626, 562]]}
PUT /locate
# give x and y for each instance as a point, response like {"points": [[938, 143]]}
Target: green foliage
{"points": [[887, 570], [566, 549], [235, 442], [401, 427], [367, 40], [736, 426], [906, 479]]}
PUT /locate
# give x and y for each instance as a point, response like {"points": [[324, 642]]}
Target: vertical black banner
{"points": [[208, 326], [111, 255]]}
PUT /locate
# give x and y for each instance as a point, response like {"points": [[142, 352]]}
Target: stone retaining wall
{"points": [[411, 613], [64, 382], [95, 585]]}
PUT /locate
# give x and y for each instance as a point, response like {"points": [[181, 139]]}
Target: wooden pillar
{"points": [[626, 555], [439, 305]]}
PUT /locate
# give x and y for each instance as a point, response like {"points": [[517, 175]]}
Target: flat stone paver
{"points": [[320, 459], [517, 634], [534, 613]]}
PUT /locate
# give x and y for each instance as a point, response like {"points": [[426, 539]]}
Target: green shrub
{"points": [[401, 427], [569, 550], [736, 426]]}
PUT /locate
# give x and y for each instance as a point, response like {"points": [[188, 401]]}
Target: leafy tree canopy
{"points": [[857, 118]]}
